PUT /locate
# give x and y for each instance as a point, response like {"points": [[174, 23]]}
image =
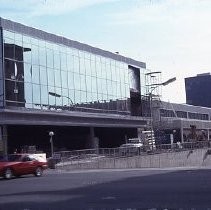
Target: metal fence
{"points": [[90, 155]]}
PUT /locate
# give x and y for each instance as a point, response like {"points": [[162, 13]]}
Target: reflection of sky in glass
{"points": [[75, 76]]}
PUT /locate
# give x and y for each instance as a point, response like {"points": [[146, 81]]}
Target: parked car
{"points": [[130, 149], [22, 164]]}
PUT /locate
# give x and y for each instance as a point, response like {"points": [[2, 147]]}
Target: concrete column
{"points": [[3, 140], [181, 131], [93, 142]]}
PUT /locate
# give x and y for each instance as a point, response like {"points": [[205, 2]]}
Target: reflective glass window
{"points": [[44, 95], [64, 79], [104, 98], [9, 34], [41, 43], [9, 69], [35, 55], [10, 90], [88, 67], [82, 66], [114, 85], [35, 74], [64, 61], [108, 71], [94, 84], [104, 72], [18, 52], [93, 69], [66, 101], [76, 65], [75, 52], [113, 71], [83, 96], [77, 81], [104, 86], [28, 92], [8, 40], [9, 49], [70, 64], [59, 99], [42, 56], [110, 88], [27, 72], [19, 71], [49, 45], [1, 73], [118, 74], [119, 91], [52, 98], [89, 96], [36, 94], [43, 75], [50, 73], [71, 95], [123, 90], [56, 48], [127, 77], [94, 96], [99, 85], [122, 75], [49, 58], [18, 39], [63, 49], [58, 78], [88, 83], [77, 96], [99, 96], [98, 69], [34, 41], [71, 80], [56, 60], [26, 39], [27, 55], [83, 82], [127, 88]]}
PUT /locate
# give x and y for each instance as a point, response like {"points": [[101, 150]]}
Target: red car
{"points": [[22, 164]]}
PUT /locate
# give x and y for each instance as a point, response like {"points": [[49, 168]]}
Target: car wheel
{"points": [[38, 172], [8, 174]]}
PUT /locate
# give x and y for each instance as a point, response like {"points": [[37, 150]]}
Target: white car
{"points": [[130, 149]]}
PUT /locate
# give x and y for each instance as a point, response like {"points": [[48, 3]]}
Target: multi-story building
{"points": [[87, 96], [198, 90], [187, 123]]}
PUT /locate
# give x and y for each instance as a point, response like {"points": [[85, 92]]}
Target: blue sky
{"points": [[172, 36]]}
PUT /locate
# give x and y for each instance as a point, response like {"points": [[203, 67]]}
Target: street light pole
{"points": [[51, 134], [153, 87]]}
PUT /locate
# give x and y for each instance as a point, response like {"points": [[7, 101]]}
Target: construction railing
{"points": [[89, 155]]}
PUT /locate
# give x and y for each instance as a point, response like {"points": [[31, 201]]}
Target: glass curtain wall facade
{"points": [[40, 74]]}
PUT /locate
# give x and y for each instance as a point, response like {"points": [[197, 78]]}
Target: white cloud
{"points": [[45, 7], [173, 35], [162, 10]]}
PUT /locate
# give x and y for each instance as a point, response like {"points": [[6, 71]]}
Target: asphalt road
{"points": [[103, 190]]}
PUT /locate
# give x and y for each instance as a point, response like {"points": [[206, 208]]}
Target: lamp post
{"points": [[51, 134], [59, 96], [153, 87]]}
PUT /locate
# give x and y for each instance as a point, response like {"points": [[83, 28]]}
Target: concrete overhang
{"points": [[62, 118], [171, 123]]}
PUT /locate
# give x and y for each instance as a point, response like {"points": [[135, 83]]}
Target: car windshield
{"points": [[11, 158]]}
